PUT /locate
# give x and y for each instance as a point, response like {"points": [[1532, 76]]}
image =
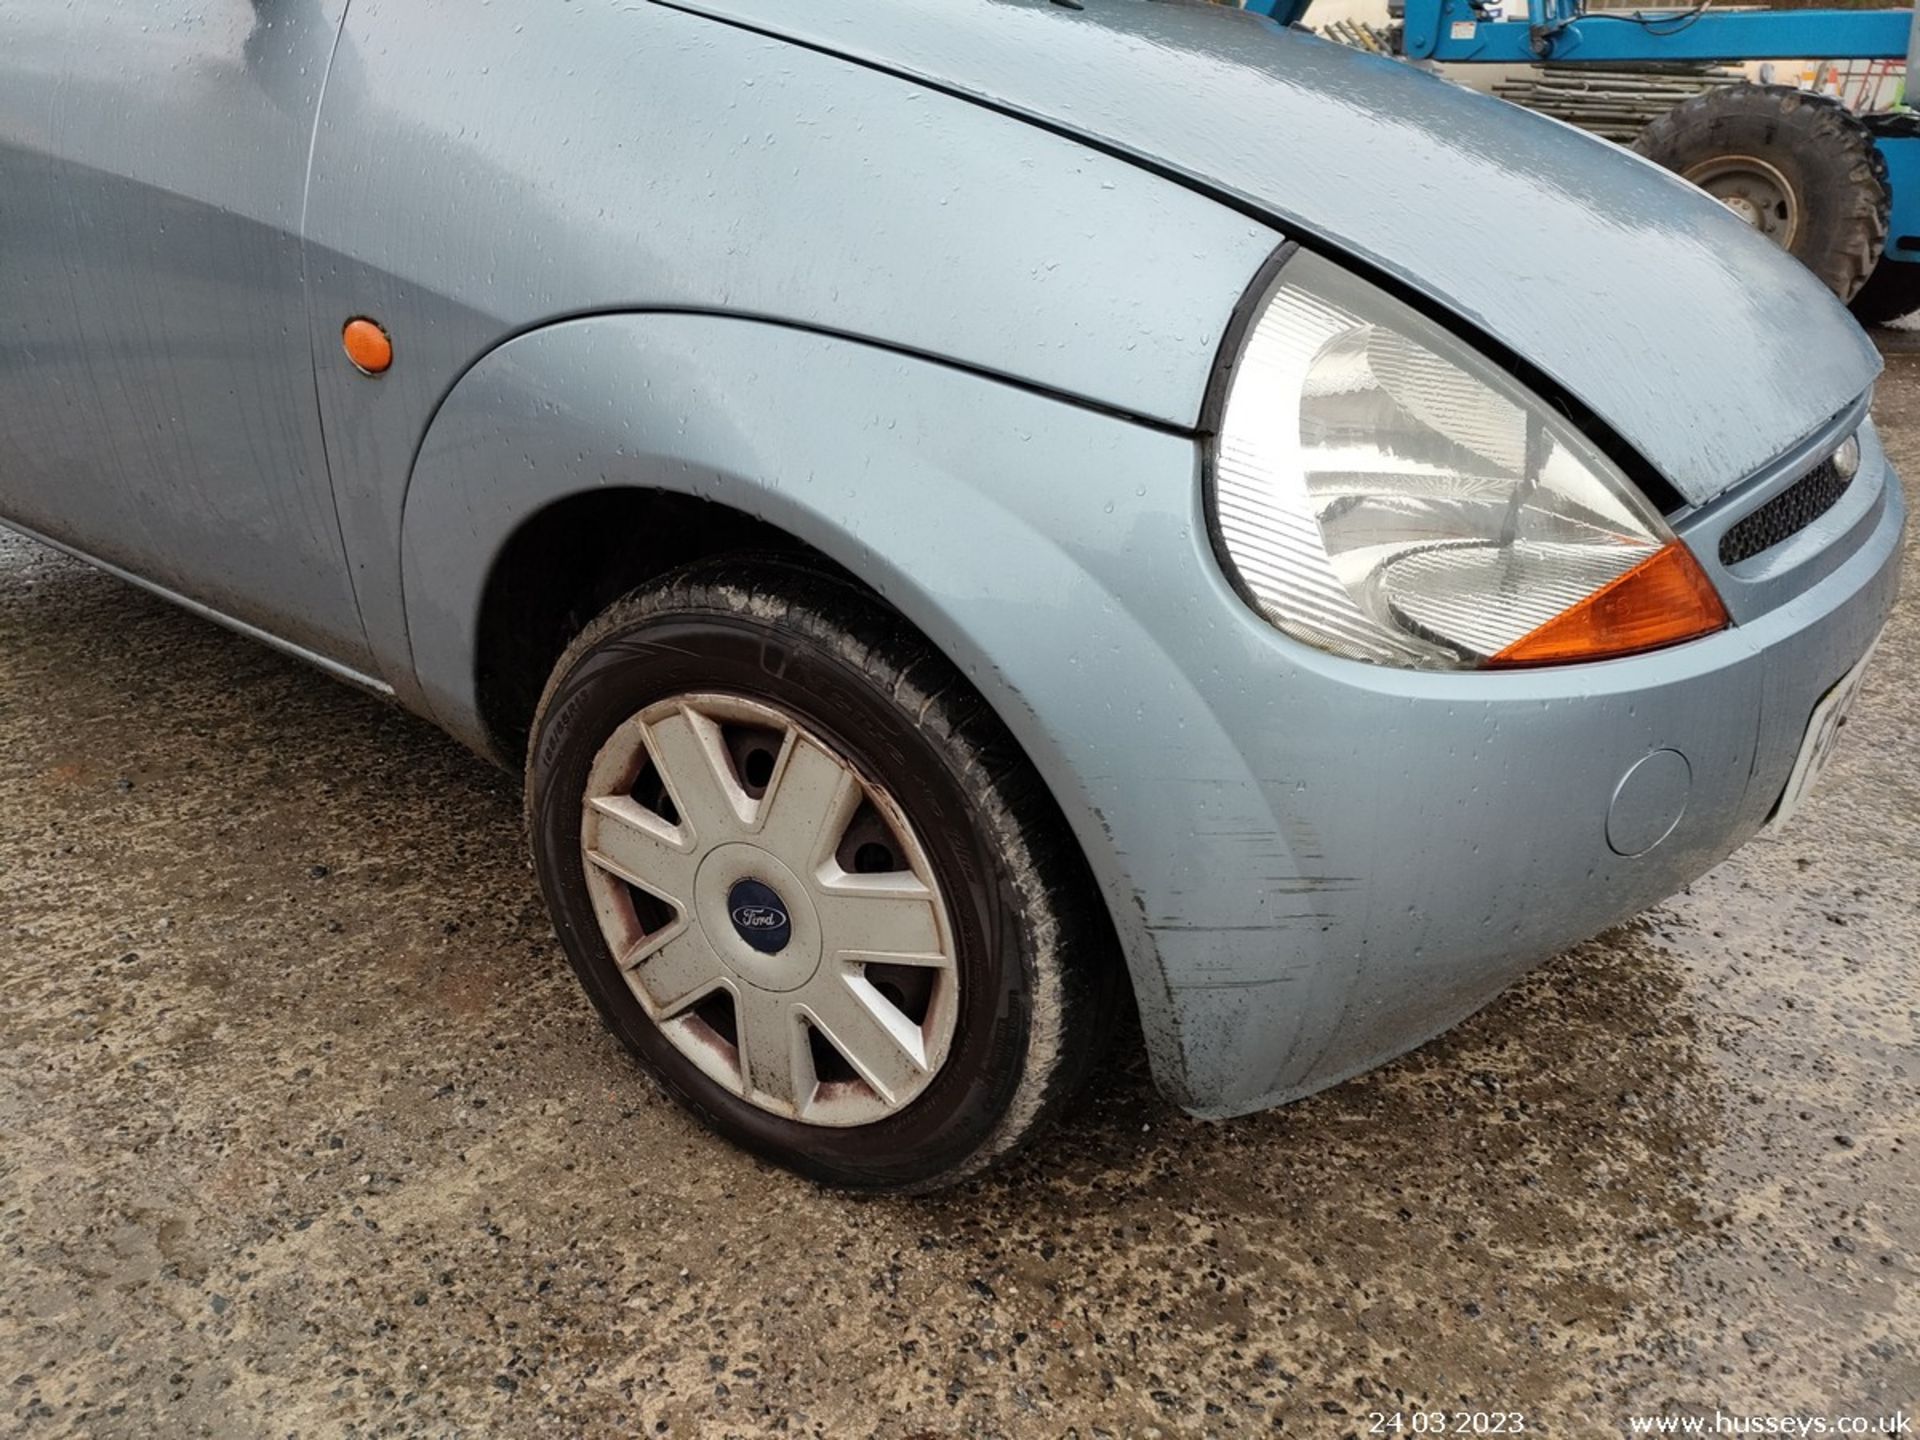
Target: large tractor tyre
{"points": [[1891, 293], [1893, 290], [1796, 166]]}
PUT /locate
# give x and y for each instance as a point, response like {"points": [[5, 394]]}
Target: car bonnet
{"points": [[1702, 345]]}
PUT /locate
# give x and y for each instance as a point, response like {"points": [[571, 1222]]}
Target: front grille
{"points": [[1786, 514]]}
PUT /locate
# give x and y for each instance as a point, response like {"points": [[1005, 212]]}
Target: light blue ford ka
{"points": [[970, 512]]}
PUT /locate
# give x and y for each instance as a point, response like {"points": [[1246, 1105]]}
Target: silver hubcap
{"points": [[771, 909]]}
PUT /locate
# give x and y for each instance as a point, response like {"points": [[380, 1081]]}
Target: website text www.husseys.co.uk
{"points": [[1722, 1422]]}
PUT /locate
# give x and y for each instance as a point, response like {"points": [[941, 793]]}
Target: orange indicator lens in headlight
{"points": [[1663, 600]]}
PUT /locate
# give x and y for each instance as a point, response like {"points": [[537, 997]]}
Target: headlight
{"points": [[1387, 494]]}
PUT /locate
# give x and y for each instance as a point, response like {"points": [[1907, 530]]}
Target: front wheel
{"points": [[810, 881]]}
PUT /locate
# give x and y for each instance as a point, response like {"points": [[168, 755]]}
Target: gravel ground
{"points": [[308, 1130]]}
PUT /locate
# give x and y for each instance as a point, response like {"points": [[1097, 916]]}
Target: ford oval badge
{"points": [[759, 916]]}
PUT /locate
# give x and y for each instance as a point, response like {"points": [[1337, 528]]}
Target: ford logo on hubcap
{"points": [[759, 917]]}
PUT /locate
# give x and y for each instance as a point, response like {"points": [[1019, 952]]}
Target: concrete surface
{"points": [[308, 1131]]}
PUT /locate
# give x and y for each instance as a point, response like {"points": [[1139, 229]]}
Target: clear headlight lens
{"points": [[1387, 494]]}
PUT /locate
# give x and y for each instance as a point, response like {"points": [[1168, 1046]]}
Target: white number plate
{"points": [[1822, 739]]}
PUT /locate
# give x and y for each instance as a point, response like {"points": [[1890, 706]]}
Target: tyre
{"points": [[810, 881], [1892, 292], [1796, 166]]}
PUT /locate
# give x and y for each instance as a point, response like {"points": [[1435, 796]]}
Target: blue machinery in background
{"points": [[1564, 32]]}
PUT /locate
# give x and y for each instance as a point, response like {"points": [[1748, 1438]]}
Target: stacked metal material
{"points": [[1380, 39], [1614, 103]]}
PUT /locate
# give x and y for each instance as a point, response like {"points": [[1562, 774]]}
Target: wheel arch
{"points": [[565, 563], [910, 476]]}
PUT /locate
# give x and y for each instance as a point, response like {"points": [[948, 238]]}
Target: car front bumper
{"points": [[1339, 860], [1310, 864]]}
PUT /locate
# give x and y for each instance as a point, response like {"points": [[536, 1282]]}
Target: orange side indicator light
{"points": [[367, 346], [1663, 600]]}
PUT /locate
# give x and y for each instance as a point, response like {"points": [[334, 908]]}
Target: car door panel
{"points": [[157, 407]]}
